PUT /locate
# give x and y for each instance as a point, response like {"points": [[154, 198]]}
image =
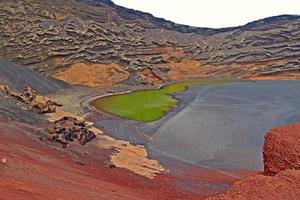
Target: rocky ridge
{"points": [[53, 36]]}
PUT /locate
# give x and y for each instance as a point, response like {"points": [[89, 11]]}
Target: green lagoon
{"points": [[146, 105]]}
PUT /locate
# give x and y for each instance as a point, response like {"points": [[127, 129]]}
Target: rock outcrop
{"points": [[30, 100], [281, 168], [67, 130], [53, 36], [4, 89]]}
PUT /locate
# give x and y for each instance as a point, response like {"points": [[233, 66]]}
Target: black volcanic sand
{"points": [[17, 77], [219, 126]]}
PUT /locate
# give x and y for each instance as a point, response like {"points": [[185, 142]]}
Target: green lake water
{"points": [[146, 105]]}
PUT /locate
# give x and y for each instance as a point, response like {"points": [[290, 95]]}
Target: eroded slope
{"points": [[54, 36]]}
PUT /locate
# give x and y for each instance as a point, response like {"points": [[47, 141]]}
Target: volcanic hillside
{"points": [[76, 39], [53, 145], [16, 78]]}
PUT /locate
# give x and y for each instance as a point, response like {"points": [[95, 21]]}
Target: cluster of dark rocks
{"points": [[69, 129]]}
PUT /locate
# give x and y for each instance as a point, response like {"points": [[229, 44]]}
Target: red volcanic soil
{"points": [[35, 170], [282, 149], [284, 186], [281, 168]]}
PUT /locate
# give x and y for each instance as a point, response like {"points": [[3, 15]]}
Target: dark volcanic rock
{"points": [[69, 129]]}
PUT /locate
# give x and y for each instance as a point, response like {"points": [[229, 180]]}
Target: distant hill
{"points": [[56, 37]]}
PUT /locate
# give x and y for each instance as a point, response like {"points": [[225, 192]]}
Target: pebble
{"points": [[3, 160]]}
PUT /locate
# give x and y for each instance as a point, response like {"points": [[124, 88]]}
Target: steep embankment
{"points": [[63, 35], [281, 167]]}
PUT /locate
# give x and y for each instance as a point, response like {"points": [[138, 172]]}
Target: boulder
{"points": [[29, 94], [41, 104], [31, 100], [281, 149], [3, 89]]}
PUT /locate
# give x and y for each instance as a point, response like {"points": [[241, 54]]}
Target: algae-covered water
{"points": [[219, 125], [146, 105]]}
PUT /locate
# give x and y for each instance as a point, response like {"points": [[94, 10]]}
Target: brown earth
{"points": [[278, 76], [186, 69], [150, 78], [93, 75]]}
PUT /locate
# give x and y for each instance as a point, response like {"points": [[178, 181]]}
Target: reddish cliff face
{"points": [[282, 149], [281, 168]]}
